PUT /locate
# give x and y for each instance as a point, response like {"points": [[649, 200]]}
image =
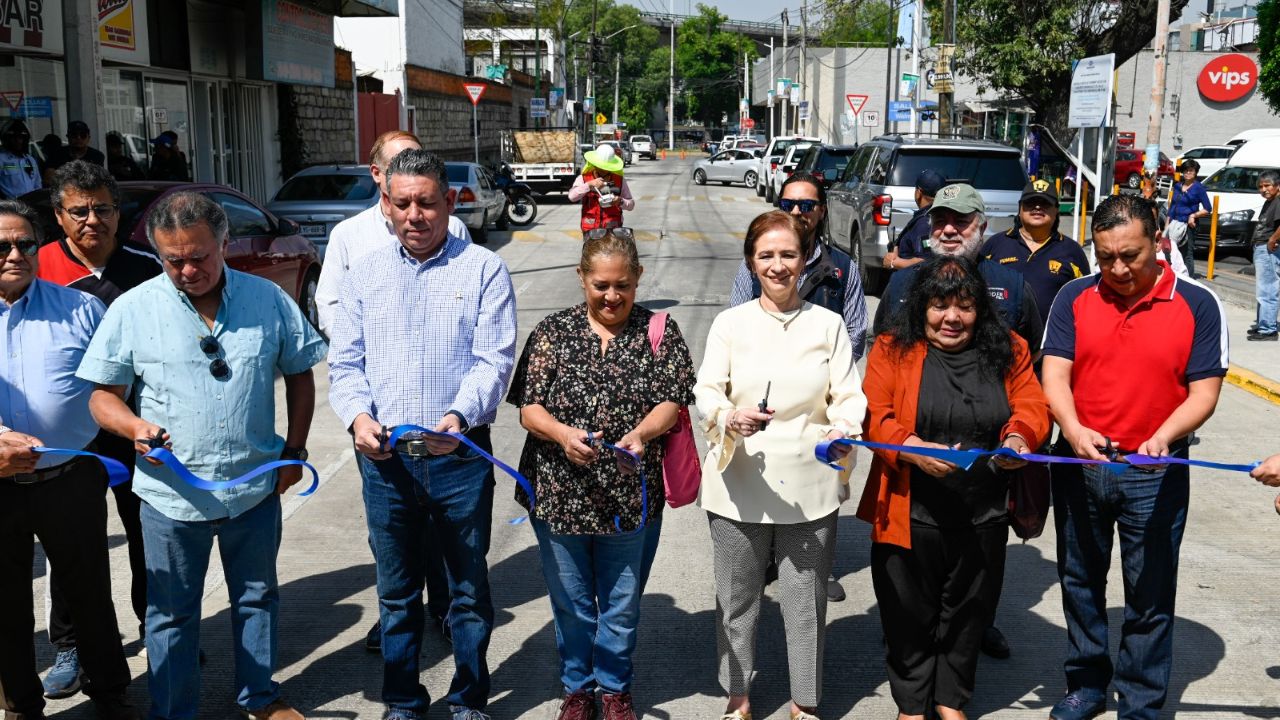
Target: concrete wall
{"points": [[442, 112], [326, 117]]}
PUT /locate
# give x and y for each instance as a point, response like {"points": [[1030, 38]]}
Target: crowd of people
{"points": [[977, 343]]}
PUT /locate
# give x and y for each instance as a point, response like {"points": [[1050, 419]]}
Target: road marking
{"points": [[526, 236], [693, 235], [523, 286], [646, 236], [1254, 383]]}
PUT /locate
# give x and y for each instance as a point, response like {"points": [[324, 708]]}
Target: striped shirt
{"points": [[413, 339]]}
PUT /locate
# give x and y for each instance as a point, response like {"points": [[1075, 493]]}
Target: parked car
{"points": [[1253, 134], [790, 159], [643, 146], [875, 195], [260, 243], [1129, 164], [771, 158], [1211, 158], [727, 167], [1236, 188], [825, 162], [318, 198], [480, 201]]}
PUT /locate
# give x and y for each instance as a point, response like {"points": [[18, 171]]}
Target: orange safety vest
{"points": [[595, 215]]}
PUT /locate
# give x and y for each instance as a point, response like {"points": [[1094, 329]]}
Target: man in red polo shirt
{"points": [[1134, 358]]}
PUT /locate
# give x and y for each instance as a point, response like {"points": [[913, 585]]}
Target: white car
{"points": [[795, 152], [1235, 187], [642, 146], [1211, 158], [770, 160], [727, 166]]}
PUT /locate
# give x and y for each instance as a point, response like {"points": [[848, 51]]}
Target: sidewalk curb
{"points": [[1254, 383]]}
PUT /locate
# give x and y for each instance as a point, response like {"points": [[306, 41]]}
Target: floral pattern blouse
{"points": [[563, 370]]}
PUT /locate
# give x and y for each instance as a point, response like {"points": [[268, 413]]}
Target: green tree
{"points": [[1025, 47], [1268, 57], [868, 22], [709, 63]]}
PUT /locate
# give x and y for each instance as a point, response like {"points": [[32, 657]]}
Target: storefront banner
{"points": [[122, 31], [31, 26], [297, 44]]}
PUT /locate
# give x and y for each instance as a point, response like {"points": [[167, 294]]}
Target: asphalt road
{"points": [[1226, 664]]}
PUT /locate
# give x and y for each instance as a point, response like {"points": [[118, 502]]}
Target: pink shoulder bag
{"points": [[681, 469]]}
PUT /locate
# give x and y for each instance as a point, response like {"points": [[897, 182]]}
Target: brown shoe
{"points": [[578, 706], [10, 715], [278, 710], [618, 707]]}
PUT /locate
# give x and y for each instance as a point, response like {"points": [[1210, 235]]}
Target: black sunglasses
{"points": [[26, 247], [622, 233], [787, 205], [219, 368]]}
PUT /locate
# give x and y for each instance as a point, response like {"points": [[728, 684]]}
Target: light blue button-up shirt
{"points": [[413, 340], [220, 429], [45, 334]]}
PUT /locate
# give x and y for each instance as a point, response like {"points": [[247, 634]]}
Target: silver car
{"points": [[320, 197], [479, 202], [728, 166]]}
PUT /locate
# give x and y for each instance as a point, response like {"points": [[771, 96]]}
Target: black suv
{"points": [[825, 162]]}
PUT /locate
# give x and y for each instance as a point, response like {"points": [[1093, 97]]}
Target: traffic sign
{"points": [[749, 124], [1091, 82], [856, 102], [475, 90], [899, 110], [537, 107], [12, 98], [870, 118], [601, 119]]}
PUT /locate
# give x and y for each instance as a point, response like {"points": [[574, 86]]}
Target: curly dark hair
{"points": [[948, 277]]}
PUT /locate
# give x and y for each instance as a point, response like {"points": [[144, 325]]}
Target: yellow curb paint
{"points": [[646, 235], [1254, 383], [526, 236], [692, 235]]}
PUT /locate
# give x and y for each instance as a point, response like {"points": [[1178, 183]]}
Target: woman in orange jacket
{"points": [[947, 374]]}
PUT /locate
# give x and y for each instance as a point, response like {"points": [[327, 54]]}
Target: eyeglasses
{"points": [[77, 135], [787, 205], [27, 247], [219, 368], [622, 233], [81, 213], [1036, 203]]}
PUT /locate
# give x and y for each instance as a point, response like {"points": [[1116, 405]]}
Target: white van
{"points": [[1255, 134], [1236, 188]]}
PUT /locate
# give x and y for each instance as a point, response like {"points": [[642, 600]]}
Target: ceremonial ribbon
{"points": [[173, 463], [400, 431], [117, 473], [598, 439], [964, 459]]}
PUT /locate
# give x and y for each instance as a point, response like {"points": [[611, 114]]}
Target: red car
{"points": [[1129, 167], [260, 243]]}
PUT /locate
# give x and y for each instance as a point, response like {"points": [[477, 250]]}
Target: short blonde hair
{"points": [[375, 152]]}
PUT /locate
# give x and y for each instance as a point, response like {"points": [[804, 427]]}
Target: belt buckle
{"points": [[25, 478], [416, 448]]}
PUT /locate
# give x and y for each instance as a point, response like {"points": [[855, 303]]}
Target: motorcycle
{"points": [[521, 208]]}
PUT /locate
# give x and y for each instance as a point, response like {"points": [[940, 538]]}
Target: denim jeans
{"points": [[596, 583], [177, 555], [456, 492], [1266, 275], [1149, 509]]}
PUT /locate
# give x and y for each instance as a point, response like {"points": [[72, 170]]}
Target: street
{"points": [[690, 238]]}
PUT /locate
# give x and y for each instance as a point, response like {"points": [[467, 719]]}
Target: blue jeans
{"points": [[1266, 275], [596, 583], [1150, 511], [177, 556], [456, 492]]}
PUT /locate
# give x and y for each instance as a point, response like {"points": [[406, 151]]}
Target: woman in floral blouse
{"points": [[589, 372]]}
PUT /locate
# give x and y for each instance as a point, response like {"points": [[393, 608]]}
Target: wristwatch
{"points": [[294, 454]]}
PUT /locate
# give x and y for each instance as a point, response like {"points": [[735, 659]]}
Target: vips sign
{"points": [[1227, 78]]}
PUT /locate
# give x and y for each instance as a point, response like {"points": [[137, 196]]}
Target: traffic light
{"points": [[597, 50]]}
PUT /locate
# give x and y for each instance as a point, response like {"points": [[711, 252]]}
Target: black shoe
{"points": [[1264, 337], [993, 643], [115, 706], [1079, 705], [835, 591], [373, 641]]}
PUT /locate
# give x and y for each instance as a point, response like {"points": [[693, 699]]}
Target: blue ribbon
{"points": [[173, 463], [117, 473], [638, 464], [964, 459], [400, 431]]}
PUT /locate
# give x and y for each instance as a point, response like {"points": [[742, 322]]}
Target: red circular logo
{"points": [[1227, 78]]}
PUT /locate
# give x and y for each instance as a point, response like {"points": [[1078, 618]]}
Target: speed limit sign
{"points": [[870, 118]]}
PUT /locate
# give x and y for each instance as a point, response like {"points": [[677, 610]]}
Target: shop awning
{"points": [[986, 106], [355, 8]]}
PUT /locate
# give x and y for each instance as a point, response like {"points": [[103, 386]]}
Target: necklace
{"points": [[783, 317]]}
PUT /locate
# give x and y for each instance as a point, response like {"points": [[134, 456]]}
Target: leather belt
{"points": [[42, 475], [417, 447]]}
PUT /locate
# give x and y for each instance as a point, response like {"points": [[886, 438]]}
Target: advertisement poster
{"points": [[297, 44], [31, 26]]}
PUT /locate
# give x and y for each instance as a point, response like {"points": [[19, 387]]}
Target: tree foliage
{"points": [[1269, 52], [709, 61], [1025, 47], [851, 22]]}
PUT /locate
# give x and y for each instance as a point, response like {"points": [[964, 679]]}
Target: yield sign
{"points": [[12, 98], [856, 102], [475, 90]]}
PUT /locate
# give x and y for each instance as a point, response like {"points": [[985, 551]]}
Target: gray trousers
{"points": [[803, 553]]}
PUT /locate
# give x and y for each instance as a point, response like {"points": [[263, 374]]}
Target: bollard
{"points": [[663, 153], [1213, 238], [682, 153], [1084, 208], [1057, 185]]}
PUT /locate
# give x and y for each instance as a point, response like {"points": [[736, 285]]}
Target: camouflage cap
{"points": [[960, 197]]}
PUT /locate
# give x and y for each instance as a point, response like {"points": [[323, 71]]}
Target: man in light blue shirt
{"points": [[425, 333], [44, 330], [200, 345]]}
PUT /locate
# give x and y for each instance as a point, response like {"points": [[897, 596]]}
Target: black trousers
{"points": [[128, 506], [69, 516], [936, 598]]}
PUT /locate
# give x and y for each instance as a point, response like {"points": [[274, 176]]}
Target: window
{"points": [[878, 170], [1234, 179], [1195, 154], [458, 174], [328, 187], [984, 169], [858, 164], [243, 218]]}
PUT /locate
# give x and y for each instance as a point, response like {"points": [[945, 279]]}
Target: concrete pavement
{"points": [[1226, 665]]}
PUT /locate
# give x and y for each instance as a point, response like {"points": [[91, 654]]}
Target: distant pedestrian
{"points": [[77, 148], [121, 166], [777, 376], [1189, 203], [167, 162], [1266, 258], [589, 502], [1134, 358], [601, 189], [1168, 250], [19, 170], [912, 246]]}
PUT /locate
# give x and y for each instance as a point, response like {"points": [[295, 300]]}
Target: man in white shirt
{"points": [[355, 237]]}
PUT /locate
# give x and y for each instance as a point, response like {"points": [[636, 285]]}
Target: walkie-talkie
{"points": [[764, 404]]}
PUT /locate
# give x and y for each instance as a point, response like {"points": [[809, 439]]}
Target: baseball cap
{"points": [[16, 127], [960, 197], [77, 127], [162, 139], [930, 182], [1041, 189]]}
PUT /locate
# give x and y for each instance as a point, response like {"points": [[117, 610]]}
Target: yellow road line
{"points": [[692, 235], [1254, 383]]}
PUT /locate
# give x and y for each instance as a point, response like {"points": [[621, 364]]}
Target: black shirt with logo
{"points": [[1056, 263]]}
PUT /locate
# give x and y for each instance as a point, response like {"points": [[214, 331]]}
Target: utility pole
{"points": [[916, 22], [537, 59], [786, 97], [1159, 58], [888, 62], [671, 96], [804, 63], [594, 44], [746, 88], [945, 99], [773, 78], [617, 68]]}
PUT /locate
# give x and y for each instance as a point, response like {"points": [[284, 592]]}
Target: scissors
{"points": [[157, 440], [764, 404]]}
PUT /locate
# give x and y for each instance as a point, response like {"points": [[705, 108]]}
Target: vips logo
{"points": [[1228, 78]]}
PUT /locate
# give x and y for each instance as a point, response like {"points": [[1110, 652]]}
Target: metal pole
{"points": [[1159, 58], [804, 63], [786, 98], [537, 59], [773, 79], [617, 68], [915, 66], [888, 64], [475, 129], [945, 120], [671, 96]]}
